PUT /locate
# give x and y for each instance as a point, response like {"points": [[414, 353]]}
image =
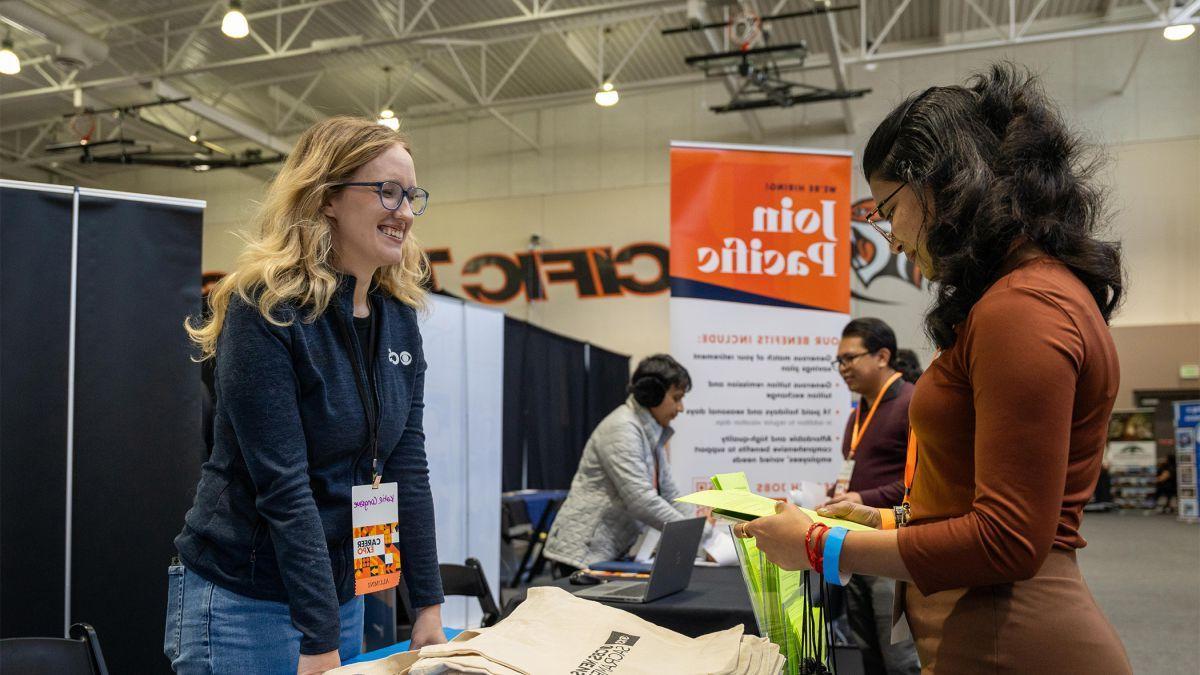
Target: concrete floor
{"points": [[1145, 573]]}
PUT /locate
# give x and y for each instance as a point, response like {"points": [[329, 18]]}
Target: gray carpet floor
{"points": [[1145, 573]]}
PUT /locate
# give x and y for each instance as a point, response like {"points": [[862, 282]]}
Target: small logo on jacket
{"points": [[397, 359]]}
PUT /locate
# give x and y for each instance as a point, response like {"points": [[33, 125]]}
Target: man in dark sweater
{"points": [[874, 449]]}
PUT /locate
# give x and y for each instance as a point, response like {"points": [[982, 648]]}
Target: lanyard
{"points": [[910, 465], [368, 389], [858, 431]]}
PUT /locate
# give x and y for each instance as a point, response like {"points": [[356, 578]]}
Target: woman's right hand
{"points": [[315, 664], [855, 513]]}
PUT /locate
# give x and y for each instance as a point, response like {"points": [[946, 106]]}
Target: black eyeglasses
{"points": [[845, 360], [878, 211], [392, 195]]}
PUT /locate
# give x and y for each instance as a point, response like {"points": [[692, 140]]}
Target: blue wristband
{"points": [[833, 555]]}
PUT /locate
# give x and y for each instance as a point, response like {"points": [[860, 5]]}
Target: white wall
{"points": [[601, 176]]}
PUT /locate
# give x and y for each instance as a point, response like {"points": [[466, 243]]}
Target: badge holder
{"points": [[376, 522]]}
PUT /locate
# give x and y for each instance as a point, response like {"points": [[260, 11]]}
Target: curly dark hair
{"points": [[1003, 169]]}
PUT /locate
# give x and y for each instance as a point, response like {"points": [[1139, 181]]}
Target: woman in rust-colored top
{"points": [[986, 190]]}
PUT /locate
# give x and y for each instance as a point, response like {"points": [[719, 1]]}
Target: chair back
{"points": [[469, 580], [78, 655]]}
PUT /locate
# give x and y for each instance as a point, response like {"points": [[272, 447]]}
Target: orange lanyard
{"points": [[910, 464], [857, 432]]}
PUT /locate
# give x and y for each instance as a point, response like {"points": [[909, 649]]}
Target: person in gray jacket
{"points": [[623, 482]]}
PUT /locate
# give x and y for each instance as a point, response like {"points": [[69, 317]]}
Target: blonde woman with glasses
{"points": [[319, 386]]}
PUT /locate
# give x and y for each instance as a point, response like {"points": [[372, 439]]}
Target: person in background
{"points": [[623, 483], [909, 365], [320, 379], [1166, 486], [996, 200], [874, 452]]}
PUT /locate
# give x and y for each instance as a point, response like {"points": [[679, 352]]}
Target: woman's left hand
{"points": [[427, 628], [781, 536]]}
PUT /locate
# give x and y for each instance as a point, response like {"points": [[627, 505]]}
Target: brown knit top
{"points": [[1011, 425]]}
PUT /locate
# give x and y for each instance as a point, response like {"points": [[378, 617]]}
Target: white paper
{"points": [[720, 547], [810, 495], [648, 545]]}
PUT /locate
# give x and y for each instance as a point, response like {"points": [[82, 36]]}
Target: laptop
{"points": [[672, 569]]}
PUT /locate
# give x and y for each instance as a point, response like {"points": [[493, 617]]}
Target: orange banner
{"points": [[761, 225]]}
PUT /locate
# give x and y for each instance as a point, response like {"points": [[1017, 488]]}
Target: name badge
{"points": [[843, 481], [376, 523]]}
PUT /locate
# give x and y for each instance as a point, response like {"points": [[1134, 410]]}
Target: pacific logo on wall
{"points": [[596, 272], [872, 260]]}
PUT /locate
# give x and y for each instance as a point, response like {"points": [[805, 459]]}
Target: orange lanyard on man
{"points": [[856, 434], [859, 430]]}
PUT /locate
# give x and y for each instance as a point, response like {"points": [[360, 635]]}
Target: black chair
{"points": [[531, 563], [464, 580], [78, 655], [468, 580]]}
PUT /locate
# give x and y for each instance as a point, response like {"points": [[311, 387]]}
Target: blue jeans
{"points": [[212, 631]]}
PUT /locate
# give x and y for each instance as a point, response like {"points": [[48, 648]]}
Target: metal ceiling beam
{"points": [[583, 56], [480, 98], [837, 66], [1032, 15], [1188, 12], [512, 68], [223, 119], [205, 24], [942, 17], [1155, 8], [515, 130], [191, 37], [507, 24], [818, 62], [296, 104], [986, 18], [887, 27], [300, 25], [650, 27], [435, 87]]}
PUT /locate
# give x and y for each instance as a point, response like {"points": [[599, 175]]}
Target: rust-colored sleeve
{"points": [[1024, 355]]}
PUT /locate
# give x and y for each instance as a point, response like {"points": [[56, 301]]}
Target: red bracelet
{"points": [[819, 547], [812, 545]]}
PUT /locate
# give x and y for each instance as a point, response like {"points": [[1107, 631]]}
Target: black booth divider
{"points": [[35, 299], [556, 390], [137, 446]]}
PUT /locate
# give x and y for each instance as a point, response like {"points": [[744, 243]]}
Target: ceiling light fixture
{"points": [[235, 24], [387, 116], [10, 63], [194, 137], [1179, 26], [607, 96], [1180, 31]]}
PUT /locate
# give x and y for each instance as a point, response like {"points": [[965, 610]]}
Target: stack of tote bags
{"points": [[556, 632]]}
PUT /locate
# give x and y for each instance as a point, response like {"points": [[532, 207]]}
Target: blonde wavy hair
{"points": [[290, 260]]}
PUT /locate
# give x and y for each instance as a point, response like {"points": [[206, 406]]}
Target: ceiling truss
{"points": [[157, 51]]}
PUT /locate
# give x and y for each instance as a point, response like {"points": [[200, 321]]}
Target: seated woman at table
{"points": [[623, 483]]}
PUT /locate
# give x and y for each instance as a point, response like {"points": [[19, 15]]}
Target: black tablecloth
{"points": [[715, 599]]}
